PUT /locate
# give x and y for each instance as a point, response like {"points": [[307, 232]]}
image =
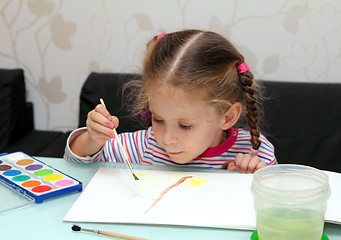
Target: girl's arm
{"points": [[100, 126], [83, 146]]}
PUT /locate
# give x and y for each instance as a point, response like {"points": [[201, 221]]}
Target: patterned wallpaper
{"points": [[59, 42]]}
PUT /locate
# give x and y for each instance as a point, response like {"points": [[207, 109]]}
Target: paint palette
{"points": [[33, 179]]}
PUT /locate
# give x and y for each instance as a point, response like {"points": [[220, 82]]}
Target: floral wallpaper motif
{"points": [[47, 29], [58, 42]]}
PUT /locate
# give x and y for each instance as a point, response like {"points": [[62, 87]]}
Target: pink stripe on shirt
{"points": [[240, 148], [126, 144], [265, 153], [138, 148], [152, 150]]}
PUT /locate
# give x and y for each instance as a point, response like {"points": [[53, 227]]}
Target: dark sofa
{"points": [[17, 132], [301, 119], [303, 123]]}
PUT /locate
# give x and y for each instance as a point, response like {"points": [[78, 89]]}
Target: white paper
{"points": [[204, 199], [333, 213]]}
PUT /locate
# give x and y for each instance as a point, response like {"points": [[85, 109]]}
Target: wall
{"points": [[58, 43]]}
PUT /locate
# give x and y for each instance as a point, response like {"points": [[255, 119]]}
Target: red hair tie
{"points": [[160, 36], [242, 68]]}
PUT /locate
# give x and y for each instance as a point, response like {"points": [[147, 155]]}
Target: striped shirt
{"points": [[142, 148]]}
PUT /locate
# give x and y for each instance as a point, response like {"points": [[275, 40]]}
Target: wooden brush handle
{"points": [[117, 235]]}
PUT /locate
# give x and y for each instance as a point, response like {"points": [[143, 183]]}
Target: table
{"points": [[45, 220]]}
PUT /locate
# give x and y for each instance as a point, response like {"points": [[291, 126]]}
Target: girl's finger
{"points": [[108, 118], [99, 128], [102, 116], [232, 166], [260, 165], [238, 159], [253, 164], [244, 163], [103, 110], [115, 121]]}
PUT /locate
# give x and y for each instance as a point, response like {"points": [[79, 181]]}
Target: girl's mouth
{"points": [[174, 153]]}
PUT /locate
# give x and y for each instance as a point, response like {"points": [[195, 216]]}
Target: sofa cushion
{"points": [[109, 87], [12, 107], [36, 141], [56, 147], [17, 131], [302, 121]]}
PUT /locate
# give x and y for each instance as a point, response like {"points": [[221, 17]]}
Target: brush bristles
{"points": [[76, 228], [136, 178]]}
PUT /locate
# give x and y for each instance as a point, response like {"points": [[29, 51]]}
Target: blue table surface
{"points": [[45, 220]]}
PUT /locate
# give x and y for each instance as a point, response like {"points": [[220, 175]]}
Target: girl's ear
{"points": [[232, 115]]}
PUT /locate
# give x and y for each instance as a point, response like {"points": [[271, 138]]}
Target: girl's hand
{"points": [[245, 163], [100, 125]]}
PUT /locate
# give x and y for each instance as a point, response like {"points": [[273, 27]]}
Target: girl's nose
{"points": [[169, 136]]}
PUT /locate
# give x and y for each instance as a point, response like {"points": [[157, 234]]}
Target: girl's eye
{"points": [[182, 126], [157, 120], [185, 127]]}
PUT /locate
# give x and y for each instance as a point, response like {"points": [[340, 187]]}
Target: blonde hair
{"points": [[204, 64]]}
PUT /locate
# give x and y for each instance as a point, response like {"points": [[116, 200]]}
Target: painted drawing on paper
{"points": [[161, 197]]}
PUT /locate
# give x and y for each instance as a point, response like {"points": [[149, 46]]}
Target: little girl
{"points": [[194, 87]]}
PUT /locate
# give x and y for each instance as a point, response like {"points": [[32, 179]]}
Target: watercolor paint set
{"points": [[34, 180]]}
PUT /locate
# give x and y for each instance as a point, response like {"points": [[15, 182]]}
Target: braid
{"points": [[250, 96]]}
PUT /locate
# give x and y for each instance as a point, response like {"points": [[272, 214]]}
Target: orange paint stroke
{"points": [[165, 191]]}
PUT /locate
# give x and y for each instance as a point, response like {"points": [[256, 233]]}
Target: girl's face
{"points": [[183, 127]]}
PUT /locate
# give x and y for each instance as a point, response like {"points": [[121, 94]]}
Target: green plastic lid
{"points": [[254, 236]]}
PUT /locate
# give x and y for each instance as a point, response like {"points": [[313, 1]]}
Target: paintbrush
{"points": [[124, 153], [111, 234]]}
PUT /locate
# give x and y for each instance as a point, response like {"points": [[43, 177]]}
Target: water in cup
{"points": [[290, 202]]}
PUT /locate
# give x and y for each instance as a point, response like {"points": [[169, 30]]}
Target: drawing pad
{"points": [[208, 199], [204, 199]]}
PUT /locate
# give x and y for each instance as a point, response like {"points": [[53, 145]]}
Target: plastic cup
{"points": [[290, 202]]}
